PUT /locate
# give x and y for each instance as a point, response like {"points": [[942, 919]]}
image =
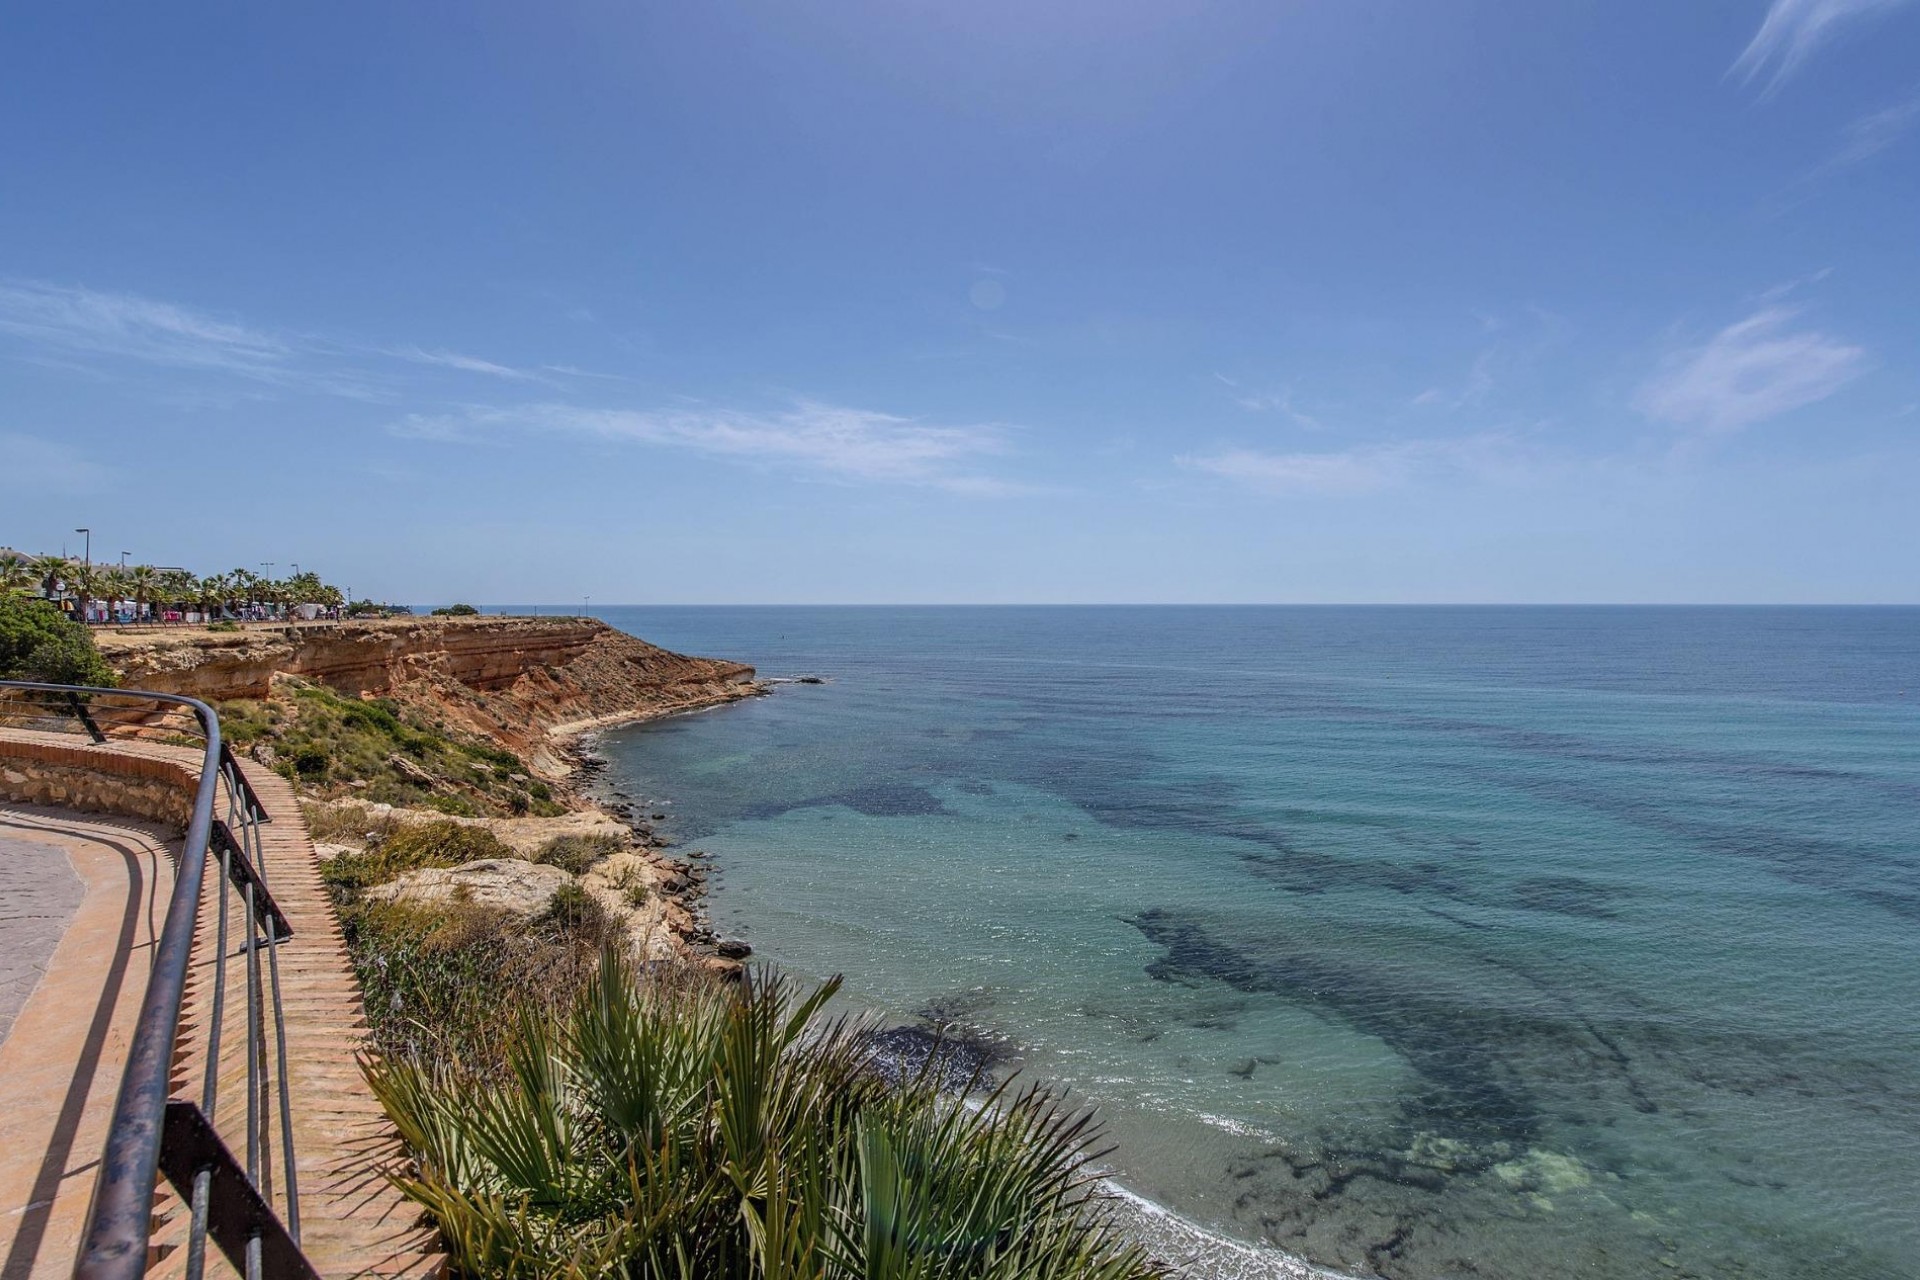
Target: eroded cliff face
{"points": [[524, 682]]}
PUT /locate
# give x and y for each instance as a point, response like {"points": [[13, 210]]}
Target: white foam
{"points": [[1238, 1128], [1197, 1253]]}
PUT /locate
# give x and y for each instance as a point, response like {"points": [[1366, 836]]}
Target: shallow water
{"points": [[1430, 942]]}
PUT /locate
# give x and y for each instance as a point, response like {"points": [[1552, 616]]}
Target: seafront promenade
{"points": [[82, 900]]}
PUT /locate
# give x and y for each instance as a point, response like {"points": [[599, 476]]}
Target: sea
{"points": [[1412, 942]]}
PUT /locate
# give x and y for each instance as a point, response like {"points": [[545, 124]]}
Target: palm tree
{"points": [[675, 1129], [143, 580], [213, 594], [114, 587], [53, 572], [179, 587], [84, 581], [16, 573]]}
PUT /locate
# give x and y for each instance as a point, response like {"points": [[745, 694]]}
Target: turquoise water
{"points": [[1425, 942]]}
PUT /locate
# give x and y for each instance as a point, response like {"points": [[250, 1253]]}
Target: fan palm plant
{"points": [[671, 1128]]}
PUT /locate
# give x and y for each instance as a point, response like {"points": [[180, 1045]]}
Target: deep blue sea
{"points": [[1494, 942]]}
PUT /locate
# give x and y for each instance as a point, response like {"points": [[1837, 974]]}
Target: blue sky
{"points": [[892, 300]]}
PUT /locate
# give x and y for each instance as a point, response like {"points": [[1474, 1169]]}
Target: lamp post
{"points": [[88, 561]]}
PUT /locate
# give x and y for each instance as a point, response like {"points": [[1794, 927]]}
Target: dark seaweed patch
{"points": [[1306, 871], [1466, 1090], [1569, 896]]}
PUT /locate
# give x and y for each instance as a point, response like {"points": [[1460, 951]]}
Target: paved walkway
{"points": [[84, 971], [81, 1010], [38, 892]]}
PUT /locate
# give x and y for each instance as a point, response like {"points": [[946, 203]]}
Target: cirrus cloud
{"points": [[1792, 30], [1758, 368], [1367, 468], [813, 437]]}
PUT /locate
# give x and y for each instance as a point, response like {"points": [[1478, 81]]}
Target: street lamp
{"points": [[89, 565], [123, 558]]}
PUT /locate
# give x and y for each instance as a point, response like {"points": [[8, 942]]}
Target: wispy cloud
{"points": [[465, 364], [1470, 394], [1281, 402], [82, 320], [1367, 468], [1867, 137], [1792, 30], [1756, 369], [816, 438], [75, 327]]}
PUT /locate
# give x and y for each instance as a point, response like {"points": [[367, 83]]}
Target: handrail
{"points": [[151, 1133]]}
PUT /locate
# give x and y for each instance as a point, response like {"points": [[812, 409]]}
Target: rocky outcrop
{"points": [[506, 884], [520, 681]]}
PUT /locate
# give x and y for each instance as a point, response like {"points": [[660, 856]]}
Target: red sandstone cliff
{"points": [[521, 681]]}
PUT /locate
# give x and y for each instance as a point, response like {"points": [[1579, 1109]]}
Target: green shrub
{"points": [[389, 753], [573, 915], [456, 611], [225, 624], [38, 642], [409, 848], [311, 763], [672, 1128], [573, 854], [452, 983], [332, 823]]}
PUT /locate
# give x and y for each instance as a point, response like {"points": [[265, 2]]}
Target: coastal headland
{"points": [[526, 683], [483, 720]]}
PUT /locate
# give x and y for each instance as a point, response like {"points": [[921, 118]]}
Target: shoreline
{"points": [[680, 881], [1190, 1249]]}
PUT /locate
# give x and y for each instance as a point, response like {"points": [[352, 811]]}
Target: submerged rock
{"points": [[959, 1058]]}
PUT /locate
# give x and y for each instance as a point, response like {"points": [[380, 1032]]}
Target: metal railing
{"points": [[231, 1199]]}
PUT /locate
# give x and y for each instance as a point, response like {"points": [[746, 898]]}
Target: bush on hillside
{"points": [[452, 984], [410, 847], [38, 642], [456, 611], [378, 750], [574, 854], [672, 1128]]}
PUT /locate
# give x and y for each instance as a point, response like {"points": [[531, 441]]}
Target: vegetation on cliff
{"points": [[452, 983], [378, 749], [673, 1128], [38, 642]]}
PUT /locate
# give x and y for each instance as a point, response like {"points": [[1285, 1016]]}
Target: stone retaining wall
{"points": [[88, 779]]}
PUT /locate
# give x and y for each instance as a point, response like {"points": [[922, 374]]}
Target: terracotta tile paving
{"points": [[60, 1061], [353, 1222]]}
